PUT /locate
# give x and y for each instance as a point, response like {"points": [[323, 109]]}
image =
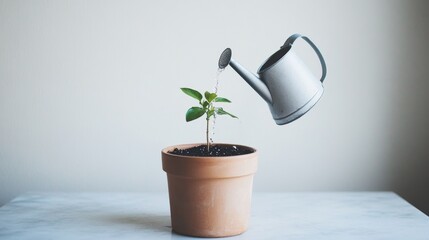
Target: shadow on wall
{"points": [[409, 138]]}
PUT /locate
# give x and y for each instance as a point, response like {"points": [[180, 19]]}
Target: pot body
{"points": [[209, 196]]}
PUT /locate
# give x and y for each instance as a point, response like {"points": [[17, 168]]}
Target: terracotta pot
{"points": [[209, 196]]}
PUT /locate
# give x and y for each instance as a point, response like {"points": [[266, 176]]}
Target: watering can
{"points": [[283, 81]]}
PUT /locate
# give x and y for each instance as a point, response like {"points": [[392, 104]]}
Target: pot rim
{"points": [[205, 167], [189, 145]]}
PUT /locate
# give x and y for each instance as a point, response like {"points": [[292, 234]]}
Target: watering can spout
{"points": [[257, 84], [254, 81]]}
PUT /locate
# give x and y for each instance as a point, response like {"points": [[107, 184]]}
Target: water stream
{"points": [[216, 88]]}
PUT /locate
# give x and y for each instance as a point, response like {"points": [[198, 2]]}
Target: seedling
{"points": [[206, 107]]}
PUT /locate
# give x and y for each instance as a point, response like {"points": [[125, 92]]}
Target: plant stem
{"points": [[207, 135]]}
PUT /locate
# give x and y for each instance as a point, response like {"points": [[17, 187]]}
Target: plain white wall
{"points": [[89, 93]]}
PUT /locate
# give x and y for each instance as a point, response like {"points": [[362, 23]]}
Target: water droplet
{"points": [[219, 71]]}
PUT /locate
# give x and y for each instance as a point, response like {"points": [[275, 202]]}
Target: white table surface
{"points": [[344, 215]]}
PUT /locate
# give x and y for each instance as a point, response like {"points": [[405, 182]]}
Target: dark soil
{"points": [[215, 150]]}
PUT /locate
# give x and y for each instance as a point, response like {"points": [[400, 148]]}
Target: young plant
{"points": [[206, 107]]}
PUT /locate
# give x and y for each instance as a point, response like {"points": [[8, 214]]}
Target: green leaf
{"points": [[193, 93], [220, 111], [210, 113], [205, 104], [194, 113], [221, 99], [210, 96]]}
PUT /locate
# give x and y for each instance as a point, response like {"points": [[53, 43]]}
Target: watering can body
{"points": [[285, 82]]}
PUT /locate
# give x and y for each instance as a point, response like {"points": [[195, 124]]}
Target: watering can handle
{"points": [[292, 39]]}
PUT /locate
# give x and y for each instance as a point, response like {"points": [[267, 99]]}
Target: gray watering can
{"points": [[283, 81]]}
